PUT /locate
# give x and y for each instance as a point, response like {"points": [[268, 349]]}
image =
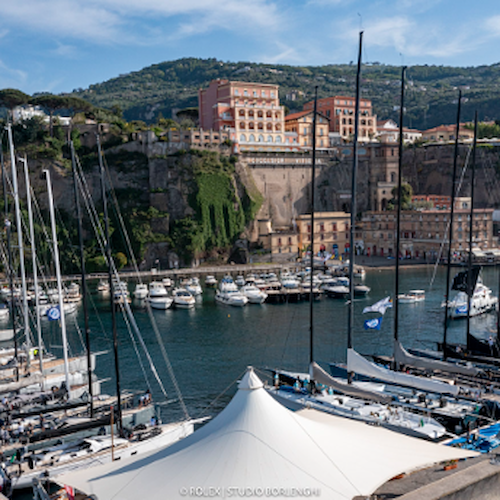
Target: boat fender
{"points": [[31, 462]]}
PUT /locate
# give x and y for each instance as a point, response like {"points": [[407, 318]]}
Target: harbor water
{"points": [[210, 346]]}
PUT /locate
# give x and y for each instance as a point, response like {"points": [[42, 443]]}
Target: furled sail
{"points": [[358, 364], [402, 356], [319, 375]]}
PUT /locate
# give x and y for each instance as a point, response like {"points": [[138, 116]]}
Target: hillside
{"points": [[431, 96]]}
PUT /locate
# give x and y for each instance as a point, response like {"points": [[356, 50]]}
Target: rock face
{"points": [[429, 170]]}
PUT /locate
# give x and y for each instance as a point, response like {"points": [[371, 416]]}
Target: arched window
{"points": [[269, 138], [278, 138], [242, 125], [269, 126], [393, 177], [278, 126], [260, 126], [269, 114], [343, 121], [250, 114], [252, 138], [242, 112], [260, 114], [260, 138], [250, 126], [243, 138]]}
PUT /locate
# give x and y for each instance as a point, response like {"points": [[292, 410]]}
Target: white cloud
{"points": [[120, 21], [493, 25]]}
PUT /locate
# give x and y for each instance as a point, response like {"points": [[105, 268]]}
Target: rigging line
{"points": [[100, 235], [148, 307], [289, 330], [134, 343], [441, 247]]}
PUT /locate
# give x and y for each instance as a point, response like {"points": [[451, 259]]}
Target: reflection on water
{"points": [[211, 345]]}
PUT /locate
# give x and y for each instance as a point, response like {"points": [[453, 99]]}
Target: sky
{"points": [[60, 45]]}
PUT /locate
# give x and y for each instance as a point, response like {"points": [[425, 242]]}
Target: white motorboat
{"points": [[160, 302], [157, 289], [72, 293], [336, 291], [253, 294], [193, 286], [229, 294], [141, 291], [411, 297], [482, 301], [183, 299], [289, 281], [167, 282], [68, 307], [103, 287], [121, 293], [211, 281], [361, 290]]}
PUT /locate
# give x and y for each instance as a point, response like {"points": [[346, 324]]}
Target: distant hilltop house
{"points": [[388, 131], [445, 133], [251, 112], [340, 111], [28, 111]]}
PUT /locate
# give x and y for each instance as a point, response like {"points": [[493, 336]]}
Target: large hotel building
{"points": [[251, 111]]}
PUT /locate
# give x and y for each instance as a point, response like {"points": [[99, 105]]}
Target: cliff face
{"points": [[429, 170]]}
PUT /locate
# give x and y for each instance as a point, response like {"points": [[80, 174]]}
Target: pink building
{"points": [[250, 110]]}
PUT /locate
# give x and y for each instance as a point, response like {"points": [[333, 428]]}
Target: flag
{"points": [[373, 324], [379, 307], [70, 492], [460, 281], [54, 313]]}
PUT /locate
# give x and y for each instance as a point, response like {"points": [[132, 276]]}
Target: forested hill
{"points": [[431, 96]]}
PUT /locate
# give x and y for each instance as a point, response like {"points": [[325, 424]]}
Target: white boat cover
{"points": [[358, 364], [401, 355], [256, 448], [319, 375]]}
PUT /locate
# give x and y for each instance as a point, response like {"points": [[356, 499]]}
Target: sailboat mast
{"points": [[84, 281], [111, 290], [450, 232], [350, 316], [398, 217], [313, 179], [33, 259], [59, 280], [470, 289], [20, 245], [9, 251]]}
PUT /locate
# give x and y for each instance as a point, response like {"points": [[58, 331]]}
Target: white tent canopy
{"points": [[256, 447]]}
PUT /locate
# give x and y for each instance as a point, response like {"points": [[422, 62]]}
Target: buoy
{"points": [[228, 315]]}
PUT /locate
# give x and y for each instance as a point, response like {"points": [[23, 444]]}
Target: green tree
{"points": [[11, 98], [51, 103], [406, 195]]}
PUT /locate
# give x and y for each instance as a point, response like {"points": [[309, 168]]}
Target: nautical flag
{"points": [[373, 324], [380, 307], [70, 492], [54, 313]]}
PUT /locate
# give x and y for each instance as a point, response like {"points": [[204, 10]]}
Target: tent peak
{"points": [[250, 381]]}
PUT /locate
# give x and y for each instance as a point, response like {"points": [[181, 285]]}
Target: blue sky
{"points": [[60, 45]]}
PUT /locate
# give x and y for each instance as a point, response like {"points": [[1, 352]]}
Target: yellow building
{"points": [[302, 124], [331, 232]]}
